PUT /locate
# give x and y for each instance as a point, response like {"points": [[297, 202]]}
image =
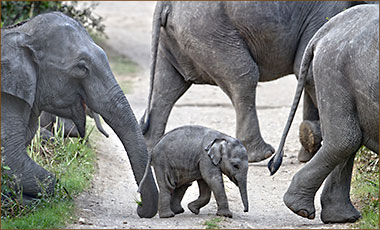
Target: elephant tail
{"points": [[275, 163], [146, 172], [159, 20]]}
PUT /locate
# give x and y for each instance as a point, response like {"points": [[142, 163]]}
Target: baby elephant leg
{"points": [[175, 202], [164, 210], [203, 199]]}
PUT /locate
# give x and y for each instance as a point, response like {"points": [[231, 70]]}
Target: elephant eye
{"points": [[236, 166], [82, 66]]}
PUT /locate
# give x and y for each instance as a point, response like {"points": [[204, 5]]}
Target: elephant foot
{"points": [[177, 210], [300, 205], [224, 212], [334, 212], [193, 208], [166, 214], [304, 155], [260, 152], [310, 138]]}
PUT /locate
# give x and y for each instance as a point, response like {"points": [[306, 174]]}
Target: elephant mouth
{"points": [[79, 117]]}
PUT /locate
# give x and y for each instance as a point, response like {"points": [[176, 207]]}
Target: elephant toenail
{"points": [[303, 213]]}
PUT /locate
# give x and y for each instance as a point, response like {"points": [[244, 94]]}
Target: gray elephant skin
{"points": [[233, 45], [196, 153], [343, 57], [49, 121], [51, 64]]}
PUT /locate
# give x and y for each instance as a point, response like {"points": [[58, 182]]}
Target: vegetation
{"points": [[72, 161], [213, 223], [365, 188], [13, 12]]}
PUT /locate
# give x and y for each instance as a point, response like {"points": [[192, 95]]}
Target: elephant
{"points": [[48, 121], [190, 153], [233, 45], [50, 63], [343, 57]]}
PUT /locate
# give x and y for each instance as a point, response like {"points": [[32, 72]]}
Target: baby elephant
{"points": [[198, 153]]}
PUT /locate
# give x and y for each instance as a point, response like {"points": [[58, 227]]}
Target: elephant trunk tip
{"points": [[246, 209]]}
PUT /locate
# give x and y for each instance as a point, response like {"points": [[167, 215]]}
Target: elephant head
{"points": [[232, 158], [52, 64]]}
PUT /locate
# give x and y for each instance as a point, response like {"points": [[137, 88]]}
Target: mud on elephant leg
{"points": [[335, 198], [309, 130], [175, 202], [203, 199], [310, 138]]}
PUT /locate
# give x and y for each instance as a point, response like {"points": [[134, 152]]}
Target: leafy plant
{"points": [[71, 160], [13, 12], [213, 223], [365, 188]]}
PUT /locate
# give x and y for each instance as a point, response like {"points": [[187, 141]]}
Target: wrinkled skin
{"points": [[198, 153], [233, 45], [48, 121], [51, 64], [343, 57]]}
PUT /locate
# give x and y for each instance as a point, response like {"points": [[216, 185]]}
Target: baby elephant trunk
{"points": [[243, 194]]}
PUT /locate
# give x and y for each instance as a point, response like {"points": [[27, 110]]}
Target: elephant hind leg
{"points": [[203, 199], [168, 87], [342, 137], [175, 202], [335, 198]]}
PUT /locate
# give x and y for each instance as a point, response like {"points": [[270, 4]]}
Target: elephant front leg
{"points": [[213, 178], [335, 198], [16, 132], [165, 195], [175, 202], [168, 87], [203, 199]]}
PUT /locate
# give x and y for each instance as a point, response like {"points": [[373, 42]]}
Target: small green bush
{"points": [[13, 12], [365, 188], [72, 161]]}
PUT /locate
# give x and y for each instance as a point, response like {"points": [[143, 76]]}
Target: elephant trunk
{"points": [[243, 194], [118, 114]]}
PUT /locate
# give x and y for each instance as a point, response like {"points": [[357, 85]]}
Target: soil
{"points": [[110, 202]]}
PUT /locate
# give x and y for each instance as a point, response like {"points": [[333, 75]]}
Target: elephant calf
{"points": [[343, 57], [198, 153]]}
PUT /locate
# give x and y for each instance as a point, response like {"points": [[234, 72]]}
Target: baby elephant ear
{"points": [[18, 68], [214, 150]]}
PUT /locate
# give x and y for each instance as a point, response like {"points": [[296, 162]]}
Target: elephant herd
{"points": [[49, 64]]}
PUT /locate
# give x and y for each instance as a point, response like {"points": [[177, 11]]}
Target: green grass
{"points": [[365, 189], [213, 223], [72, 161]]}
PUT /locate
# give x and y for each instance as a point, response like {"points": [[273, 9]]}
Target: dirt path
{"points": [[110, 202]]}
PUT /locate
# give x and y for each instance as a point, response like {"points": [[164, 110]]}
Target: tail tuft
{"points": [[275, 163]]}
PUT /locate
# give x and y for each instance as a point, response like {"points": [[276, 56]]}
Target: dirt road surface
{"points": [[110, 202]]}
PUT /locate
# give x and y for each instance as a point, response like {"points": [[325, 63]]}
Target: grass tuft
{"points": [[365, 188], [72, 161], [213, 223]]}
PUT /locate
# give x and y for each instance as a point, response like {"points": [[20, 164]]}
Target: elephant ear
{"points": [[18, 67], [214, 150]]}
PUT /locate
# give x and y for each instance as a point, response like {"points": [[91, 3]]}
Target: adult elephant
{"points": [[50, 63], [344, 59], [233, 45]]}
